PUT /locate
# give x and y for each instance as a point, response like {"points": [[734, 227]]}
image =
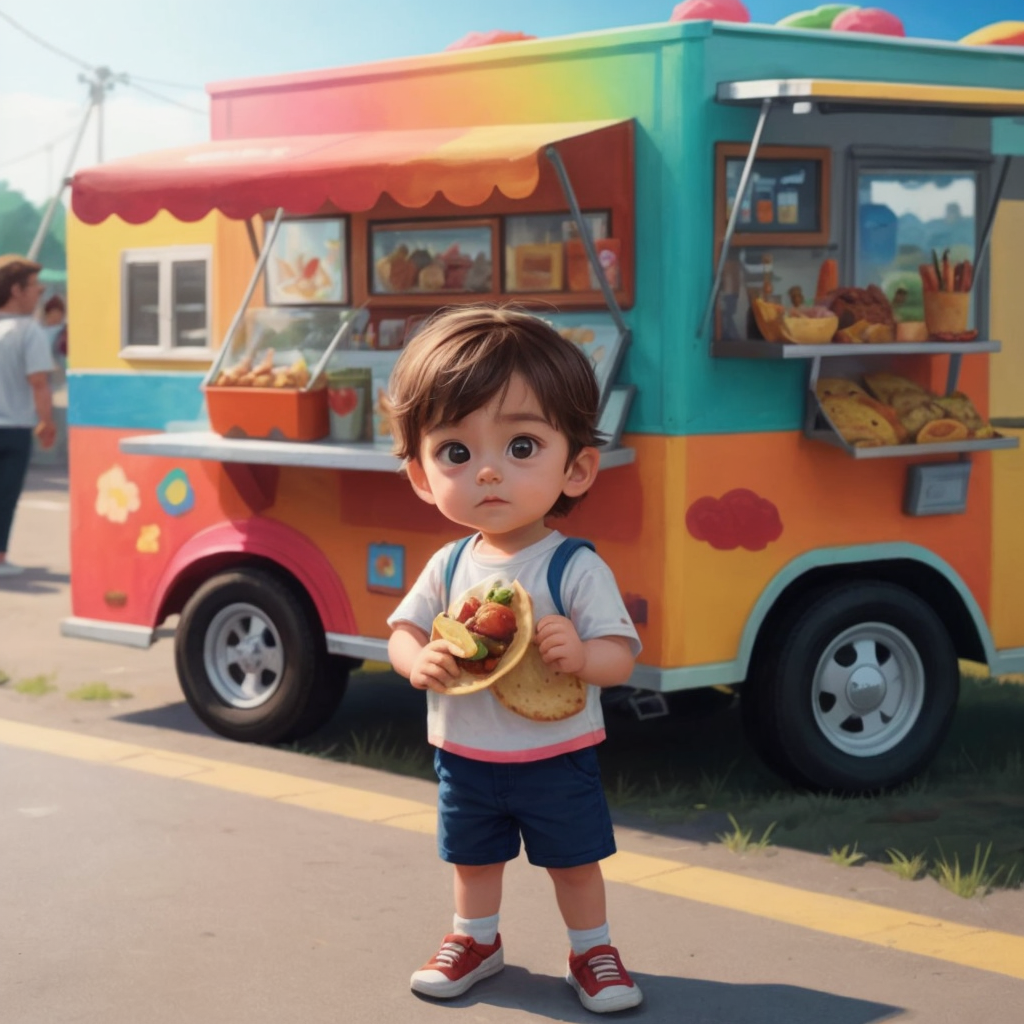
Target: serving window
{"points": [[433, 258]]}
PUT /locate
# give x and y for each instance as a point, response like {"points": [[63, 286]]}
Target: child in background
{"points": [[495, 414]]}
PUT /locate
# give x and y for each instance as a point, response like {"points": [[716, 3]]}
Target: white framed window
{"points": [[165, 302]]}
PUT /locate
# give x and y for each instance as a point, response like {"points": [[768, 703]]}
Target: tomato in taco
{"points": [[492, 628]]}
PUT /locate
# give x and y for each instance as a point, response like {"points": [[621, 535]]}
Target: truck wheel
{"points": [[854, 690], [252, 661]]}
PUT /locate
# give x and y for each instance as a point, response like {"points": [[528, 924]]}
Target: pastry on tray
{"points": [[863, 422]]}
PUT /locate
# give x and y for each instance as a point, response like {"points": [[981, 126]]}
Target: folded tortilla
{"points": [[522, 608], [536, 691]]}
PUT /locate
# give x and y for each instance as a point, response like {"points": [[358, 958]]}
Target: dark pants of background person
{"points": [[15, 449]]}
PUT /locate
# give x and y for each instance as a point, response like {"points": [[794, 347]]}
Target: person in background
{"points": [[26, 405], [56, 326]]}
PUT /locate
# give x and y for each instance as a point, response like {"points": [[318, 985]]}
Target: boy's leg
{"points": [[579, 892], [473, 950], [595, 969], [478, 889]]}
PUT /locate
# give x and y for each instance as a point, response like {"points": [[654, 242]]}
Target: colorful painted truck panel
{"points": [[752, 543]]}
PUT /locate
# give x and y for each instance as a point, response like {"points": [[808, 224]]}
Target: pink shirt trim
{"points": [[589, 739]]}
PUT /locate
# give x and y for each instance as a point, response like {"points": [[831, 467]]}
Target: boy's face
{"points": [[501, 468]]}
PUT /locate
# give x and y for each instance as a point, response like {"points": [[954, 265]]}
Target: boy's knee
{"points": [[583, 874]]}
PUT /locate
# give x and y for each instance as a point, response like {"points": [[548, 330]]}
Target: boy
{"points": [[494, 413]]}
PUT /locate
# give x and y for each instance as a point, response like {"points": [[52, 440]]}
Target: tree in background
{"points": [[19, 221]]}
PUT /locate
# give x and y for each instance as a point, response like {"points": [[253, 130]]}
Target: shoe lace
{"points": [[449, 953], [606, 968]]}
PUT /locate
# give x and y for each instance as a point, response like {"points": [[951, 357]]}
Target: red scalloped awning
{"points": [[245, 177]]}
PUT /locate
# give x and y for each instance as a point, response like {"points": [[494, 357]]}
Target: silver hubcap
{"points": [[868, 689], [243, 656]]}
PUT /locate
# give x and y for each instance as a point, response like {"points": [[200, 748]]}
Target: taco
{"points": [[539, 692], [492, 626]]}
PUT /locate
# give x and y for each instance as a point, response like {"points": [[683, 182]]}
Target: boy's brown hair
{"points": [[15, 269], [464, 357]]}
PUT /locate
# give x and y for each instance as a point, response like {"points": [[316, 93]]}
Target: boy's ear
{"points": [[580, 476], [419, 481]]}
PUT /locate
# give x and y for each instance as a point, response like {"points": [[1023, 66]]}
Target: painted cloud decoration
{"points": [[739, 519], [116, 496]]}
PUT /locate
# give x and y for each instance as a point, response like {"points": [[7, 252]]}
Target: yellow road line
{"points": [[980, 948]]}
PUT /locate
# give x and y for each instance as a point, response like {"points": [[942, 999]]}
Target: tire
{"points": [[252, 660], [854, 690]]}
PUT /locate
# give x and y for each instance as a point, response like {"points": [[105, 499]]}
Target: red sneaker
{"points": [[457, 966], [601, 982]]}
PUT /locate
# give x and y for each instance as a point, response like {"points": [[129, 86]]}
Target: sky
{"points": [[170, 49]]}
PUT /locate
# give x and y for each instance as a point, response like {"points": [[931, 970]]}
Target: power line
{"points": [[39, 149], [133, 80], [166, 84], [166, 99], [45, 44]]}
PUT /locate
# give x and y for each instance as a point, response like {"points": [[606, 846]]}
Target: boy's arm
{"points": [[602, 661]]}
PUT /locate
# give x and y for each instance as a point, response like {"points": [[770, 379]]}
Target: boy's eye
{"points": [[453, 453], [522, 447]]}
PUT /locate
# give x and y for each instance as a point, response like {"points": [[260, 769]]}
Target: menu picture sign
{"points": [[786, 198]]}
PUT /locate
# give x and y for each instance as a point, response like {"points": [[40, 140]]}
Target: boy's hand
{"points": [[434, 667], [560, 645]]}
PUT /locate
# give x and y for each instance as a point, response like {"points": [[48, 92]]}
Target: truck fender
{"points": [[280, 544], [823, 559]]}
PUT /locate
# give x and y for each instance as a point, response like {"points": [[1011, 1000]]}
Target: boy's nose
{"points": [[488, 474]]}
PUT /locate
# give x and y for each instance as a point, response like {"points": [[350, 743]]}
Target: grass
{"points": [[693, 769], [847, 856], [380, 750], [36, 686], [98, 691], [741, 840], [4, 677], [976, 882], [907, 868]]}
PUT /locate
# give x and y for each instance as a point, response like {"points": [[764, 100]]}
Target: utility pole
{"points": [[101, 82]]}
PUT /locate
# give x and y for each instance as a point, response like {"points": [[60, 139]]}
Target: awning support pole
{"points": [[588, 243], [730, 228], [986, 234], [253, 243], [268, 242]]}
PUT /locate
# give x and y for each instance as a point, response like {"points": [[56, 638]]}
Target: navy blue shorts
{"points": [[557, 806]]}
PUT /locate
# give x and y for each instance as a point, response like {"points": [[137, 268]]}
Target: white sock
{"points": [[481, 929], [587, 938]]}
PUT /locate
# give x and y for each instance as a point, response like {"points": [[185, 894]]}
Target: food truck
{"points": [[812, 485]]}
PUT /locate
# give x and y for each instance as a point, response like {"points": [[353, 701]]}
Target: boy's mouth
{"points": [[492, 499]]}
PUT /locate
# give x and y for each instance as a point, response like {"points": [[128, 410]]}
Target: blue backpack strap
{"points": [[449, 569], [556, 567]]}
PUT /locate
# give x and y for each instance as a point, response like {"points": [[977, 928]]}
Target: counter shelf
{"points": [[326, 454], [756, 349], [818, 427]]}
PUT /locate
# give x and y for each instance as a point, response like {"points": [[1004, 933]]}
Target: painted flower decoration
{"points": [[116, 495], [148, 542], [175, 493]]}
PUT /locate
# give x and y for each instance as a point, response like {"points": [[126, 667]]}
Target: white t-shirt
{"points": [[24, 349], [476, 725]]}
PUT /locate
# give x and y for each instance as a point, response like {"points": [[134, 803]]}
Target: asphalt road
{"points": [[153, 872]]}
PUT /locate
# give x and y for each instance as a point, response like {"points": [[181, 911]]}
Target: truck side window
{"points": [[165, 300]]}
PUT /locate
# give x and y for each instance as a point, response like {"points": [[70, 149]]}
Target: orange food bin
{"points": [[281, 414]]}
